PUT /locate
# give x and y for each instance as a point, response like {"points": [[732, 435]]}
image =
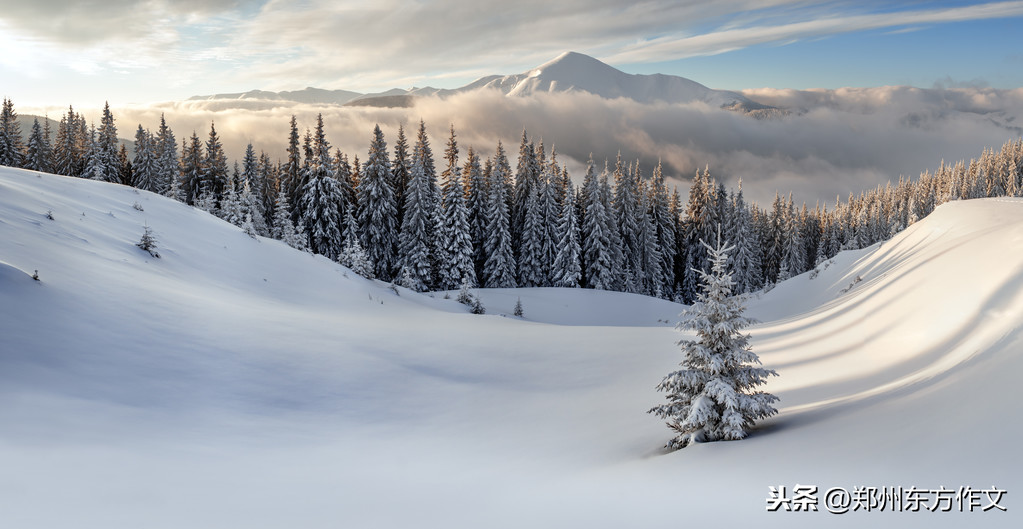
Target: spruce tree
{"points": [[650, 263], [416, 246], [746, 259], [618, 275], [214, 167], [192, 168], [66, 154], [712, 398], [596, 243], [527, 176], [106, 166], [660, 215], [567, 268], [290, 177], [400, 173], [283, 229], [124, 167], [322, 199], [165, 149], [499, 266], [94, 159], [145, 165], [39, 156], [353, 255], [343, 175], [530, 262], [455, 262], [377, 209], [550, 216], [627, 216], [11, 148], [476, 204], [792, 245], [321, 207]]}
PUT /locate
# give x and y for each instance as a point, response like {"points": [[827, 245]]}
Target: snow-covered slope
{"points": [[235, 382]]}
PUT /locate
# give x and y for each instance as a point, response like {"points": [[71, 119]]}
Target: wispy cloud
{"points": [[367, 45], [680, 45]]}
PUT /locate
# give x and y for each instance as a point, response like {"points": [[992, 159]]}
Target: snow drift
{"points": [[237, 382]]}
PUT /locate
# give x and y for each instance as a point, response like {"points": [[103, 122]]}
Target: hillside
{"points": [[236, 382]]}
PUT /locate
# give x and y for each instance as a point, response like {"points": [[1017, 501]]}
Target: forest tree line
{"points": [[481, 222]]}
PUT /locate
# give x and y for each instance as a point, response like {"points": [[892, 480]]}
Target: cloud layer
{"points": [[832, 142]]}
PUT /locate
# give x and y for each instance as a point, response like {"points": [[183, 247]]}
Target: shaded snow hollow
{"points": [[236, 382]]}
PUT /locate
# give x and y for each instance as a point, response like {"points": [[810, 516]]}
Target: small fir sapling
{"points": [[148, 242], [518, 307], [477, 306], [464, 296]]}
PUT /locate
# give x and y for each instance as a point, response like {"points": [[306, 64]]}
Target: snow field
{"points": [[236, 382]]}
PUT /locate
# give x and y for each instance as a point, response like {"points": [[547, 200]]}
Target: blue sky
{"points": [[58, 52]]}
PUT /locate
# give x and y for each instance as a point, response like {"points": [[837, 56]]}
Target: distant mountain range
{"points": [[569, 72]]}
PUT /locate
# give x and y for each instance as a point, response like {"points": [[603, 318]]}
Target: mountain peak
{"points": [[568, 72], [575, 64]]}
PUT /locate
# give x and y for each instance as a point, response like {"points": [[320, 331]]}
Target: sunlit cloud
{"points": [[882, 133]]}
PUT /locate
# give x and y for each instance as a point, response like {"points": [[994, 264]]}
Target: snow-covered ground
{"points": [[236, 382]]}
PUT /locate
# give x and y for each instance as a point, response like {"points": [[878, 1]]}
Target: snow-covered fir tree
{"points": [[567, 268], [39, 156], [792, 245], [400, 173], [454, 254], [322, 199], [165, 149], [550, 216], [660, 216], [596, 243], [499, 265], [283, 228], [145, 166], [124, 168], [214, 167], [618, 276], [105, 165], [530, 262], [11, 147], [713, 396], [192, 168], [626, 214], [476, 204], [67, 157], [352, 254], [464, 292], [650, 263], [416, 245], [746, 258], [94, 158], [290, 177], [377, 209]]}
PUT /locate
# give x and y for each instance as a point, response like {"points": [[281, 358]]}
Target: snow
{"points": [[568, 72], [236, 382], [573, 71]]}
